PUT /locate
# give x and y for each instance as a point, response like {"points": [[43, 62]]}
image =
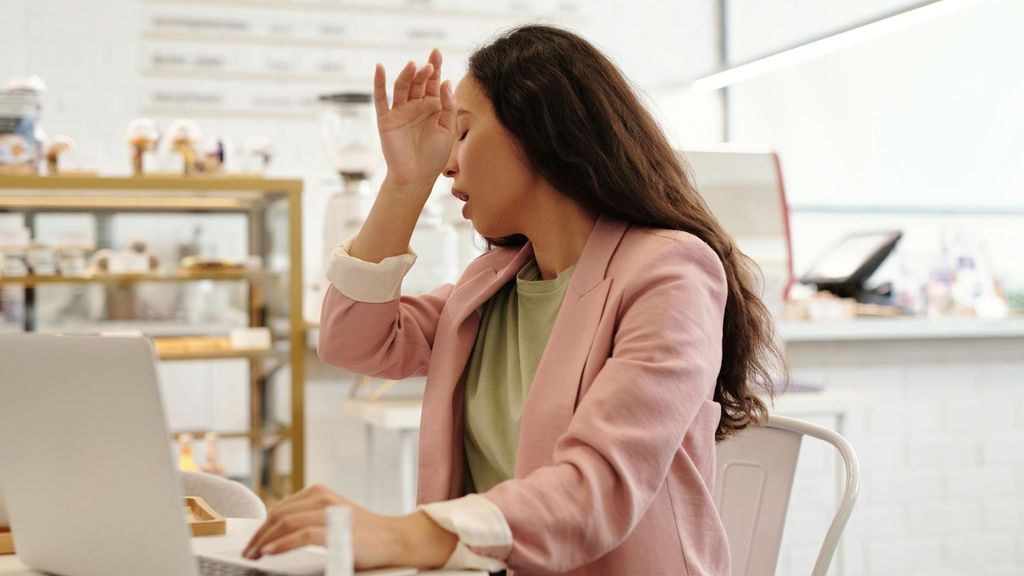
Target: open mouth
{"points": [[460, 195]]}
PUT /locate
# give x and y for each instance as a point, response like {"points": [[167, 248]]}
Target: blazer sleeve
{"points": [[367, 327], [615, 455]]}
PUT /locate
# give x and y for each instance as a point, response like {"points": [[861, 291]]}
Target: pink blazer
{"points": [[616, 457]]}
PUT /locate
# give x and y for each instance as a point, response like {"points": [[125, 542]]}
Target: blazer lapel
{"points": [[441, 417], [551, 400]]}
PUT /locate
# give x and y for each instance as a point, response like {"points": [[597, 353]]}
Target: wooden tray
{"points": [[6, 542], [203, 520]]}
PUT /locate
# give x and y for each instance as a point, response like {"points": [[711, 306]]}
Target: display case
{"points": [[268, 289]]}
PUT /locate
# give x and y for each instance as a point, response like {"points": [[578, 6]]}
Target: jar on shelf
{"points": [[349, 130], [19, 147], [344, 214]]}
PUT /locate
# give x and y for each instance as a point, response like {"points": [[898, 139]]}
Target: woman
{"points": [[579, 372]]}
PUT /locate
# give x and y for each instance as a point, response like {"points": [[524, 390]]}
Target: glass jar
{"points": [[349, 130], [19, 147]]}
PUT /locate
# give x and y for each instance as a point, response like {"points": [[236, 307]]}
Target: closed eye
{"points": [[463, 135]]}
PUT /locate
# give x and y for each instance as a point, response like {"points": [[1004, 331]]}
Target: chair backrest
{"points": [[229, 498], [754, 479]]}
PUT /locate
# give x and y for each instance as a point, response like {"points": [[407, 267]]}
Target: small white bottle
{"points": [[340, 557]]}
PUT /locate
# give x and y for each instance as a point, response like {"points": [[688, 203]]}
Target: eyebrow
{"points": [[460, 112]]}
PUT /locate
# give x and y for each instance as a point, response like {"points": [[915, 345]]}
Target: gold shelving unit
{"points": [[104, 278], [251, 196]]}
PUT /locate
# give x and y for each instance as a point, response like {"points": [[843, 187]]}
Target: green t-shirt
{"points": [[515, 325]]}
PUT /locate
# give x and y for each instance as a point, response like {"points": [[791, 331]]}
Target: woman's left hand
{"points": [[377, 541]]}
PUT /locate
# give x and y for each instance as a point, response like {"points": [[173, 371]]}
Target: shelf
{"points": [[183, 73], [225, 355], [150, 328], [271, 438], [143, 193], [367, 8], [104, 278], [237, 114], [273, 210], [212, 348], [287, 42]]}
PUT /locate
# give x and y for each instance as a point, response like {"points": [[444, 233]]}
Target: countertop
{"points": [[900, 329]]}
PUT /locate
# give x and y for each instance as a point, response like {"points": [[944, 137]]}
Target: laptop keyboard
{"points": [[211, 567]]}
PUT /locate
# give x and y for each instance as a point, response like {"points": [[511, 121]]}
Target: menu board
{"points": [[269, 59]]}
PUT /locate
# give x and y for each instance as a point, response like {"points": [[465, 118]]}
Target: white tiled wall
{"points": [[940, 440]]}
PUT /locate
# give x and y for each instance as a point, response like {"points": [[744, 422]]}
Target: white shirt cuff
{"points": [[365, 281], [478, 523]]}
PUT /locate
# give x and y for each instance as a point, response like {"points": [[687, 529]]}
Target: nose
{"points": [[451, 169]]}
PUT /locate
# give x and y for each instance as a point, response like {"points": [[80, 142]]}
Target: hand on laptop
{"points": [[378, 541]]}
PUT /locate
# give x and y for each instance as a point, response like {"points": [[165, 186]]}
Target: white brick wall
{"points": [[1001, 513], [941, 448], [903, 555], [968, 552]]}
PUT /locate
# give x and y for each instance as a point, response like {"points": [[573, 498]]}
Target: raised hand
{"points": [[418, 129]]}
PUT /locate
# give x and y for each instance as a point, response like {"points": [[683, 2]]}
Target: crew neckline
{"points": [[528, 279]]}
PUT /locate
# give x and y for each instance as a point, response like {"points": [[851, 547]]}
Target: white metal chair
{"points": [[229, 498], [755, 472]]}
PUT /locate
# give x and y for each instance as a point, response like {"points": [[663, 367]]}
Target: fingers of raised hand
{"points": [[434, 82], [380, 91], [402, 84], [419, 82]]}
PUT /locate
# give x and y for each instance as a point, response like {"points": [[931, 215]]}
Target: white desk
{"points": [[402, 415], [238, 533]]}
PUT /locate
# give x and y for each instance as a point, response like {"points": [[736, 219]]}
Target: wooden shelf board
{"points": [[104, 278], [163, 193], [224, 355], [270, 438], [162, 183]]}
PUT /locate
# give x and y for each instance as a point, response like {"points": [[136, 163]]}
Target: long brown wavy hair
{"points": [[583, 129]]}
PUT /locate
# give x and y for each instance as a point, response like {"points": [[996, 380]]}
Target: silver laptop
{"points": [[86, 468]]}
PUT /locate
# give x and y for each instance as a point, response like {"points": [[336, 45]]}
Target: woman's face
{"points": [[487, 167]]}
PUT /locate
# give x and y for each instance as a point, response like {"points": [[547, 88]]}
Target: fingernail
{"points": [[268, 549]]}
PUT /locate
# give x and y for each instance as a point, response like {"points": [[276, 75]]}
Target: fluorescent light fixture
{"points": [[833, 43]]}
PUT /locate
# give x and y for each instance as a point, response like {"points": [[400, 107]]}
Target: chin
{"points": [[492, 231]]}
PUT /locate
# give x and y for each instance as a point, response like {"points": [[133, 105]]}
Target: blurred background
{"points": [[868, 155]]}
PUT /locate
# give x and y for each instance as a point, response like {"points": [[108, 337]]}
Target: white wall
{"points": [[927, 116], [756, 27], [926, 119], [937, 431]]}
